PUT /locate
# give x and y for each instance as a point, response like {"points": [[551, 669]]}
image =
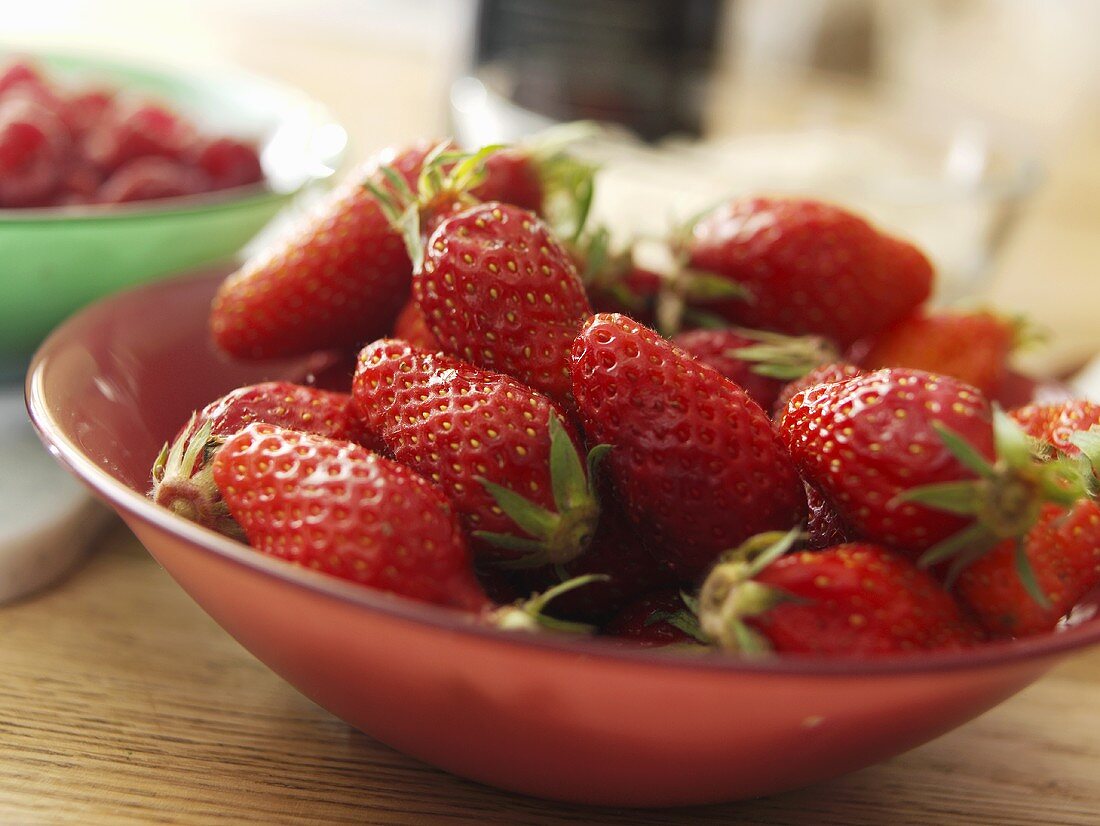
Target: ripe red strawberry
{"points": [[512, 177], [500, 450], [497, 290], [824, 526], [335, 507], [864, 441], [616, 552], [1056, 424], [972, 347], [613, 282], [825, 374], [337, 282], [809, 268], [410, 326], [1063, 554], [181, 474], [762, 363], [541, 176], [655, 620], [695, 460], [855, 599]]}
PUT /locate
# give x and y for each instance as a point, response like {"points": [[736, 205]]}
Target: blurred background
{"points": [[971, 125]]}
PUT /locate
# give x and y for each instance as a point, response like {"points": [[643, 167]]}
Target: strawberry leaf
{"points": [[1027, 575], [535, 520], [963, 498], [963, 451], [567, 472]]}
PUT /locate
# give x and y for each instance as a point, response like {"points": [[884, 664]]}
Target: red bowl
{"points": [[570, 719]]}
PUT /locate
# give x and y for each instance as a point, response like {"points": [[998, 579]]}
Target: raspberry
{"points": [[144, 179], [229, 163]]}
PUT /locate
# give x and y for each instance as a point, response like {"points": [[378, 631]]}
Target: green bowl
{"points": [[55, 260]]}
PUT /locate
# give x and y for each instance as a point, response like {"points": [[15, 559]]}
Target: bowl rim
{"points": [[123, 498], [203, 202]]}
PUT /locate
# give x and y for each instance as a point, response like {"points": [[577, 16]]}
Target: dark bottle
{"points": [[639, 63]]}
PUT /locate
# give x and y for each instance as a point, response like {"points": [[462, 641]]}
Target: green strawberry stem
{"points": [[527, 615], [1005, 501], [684, 619], [554, 537], [568, 183], [784, 357], [445, 175], [729, 593], [183, 481]]}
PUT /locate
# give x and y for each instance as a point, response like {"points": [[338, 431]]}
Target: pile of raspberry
{"points": [[61, 147]]}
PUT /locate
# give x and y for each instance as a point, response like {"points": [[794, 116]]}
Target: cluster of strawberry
{"points": [[98, 147], [806, 460]]}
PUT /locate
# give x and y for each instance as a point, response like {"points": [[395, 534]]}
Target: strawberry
{"points": [[541, 176], [334, 506], [855, 599], [824, 527], [512, 177], [695, 460], [1056, 424], [865, 441], [825, 374], [337, 282], [657, 619], [973, 347], [616, 552], [760, 362], [410, 326], [613, 282], [1062, 551], [809, 267], [500, 450], [181, 474], [497, 290], [1031, 550]]}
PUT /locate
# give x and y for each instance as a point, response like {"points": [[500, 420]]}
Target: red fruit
{"points": [[137, 132], [695, 460], [864, 441], [181, 474], [971, 347], [616, 552], [512, 177], [824, 526], [657, 619], [809, 268], [1063, 552], [855, 599], [760, 362], [33, 143], [825, 374], [410, 326], [19, 72], [499, 449], [497, 290], [83, 111], [337, 282], [335, 507], [81, 181], [228, 162], [1056, 424], [541, 177], [151, 178]]}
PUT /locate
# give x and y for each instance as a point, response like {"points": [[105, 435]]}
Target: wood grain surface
{"points": [[122, 703]]}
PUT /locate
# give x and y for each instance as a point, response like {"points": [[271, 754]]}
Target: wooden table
{"points": [[121, 702]]}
